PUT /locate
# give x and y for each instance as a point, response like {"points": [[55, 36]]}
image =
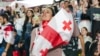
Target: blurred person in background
{"points": [[7, 40], [23, 11], [36, 11], [18, 24], [94, 13], [95, 46], [87, 40], [36, 17], [1, 34], [62, 5], [26, 33], [8, 11], [1, 11], [77, 10], [85, 22], [15, 46], [17, 8]]}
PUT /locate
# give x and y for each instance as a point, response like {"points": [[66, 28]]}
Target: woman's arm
{"points": [[82, 44], [33, 35]]}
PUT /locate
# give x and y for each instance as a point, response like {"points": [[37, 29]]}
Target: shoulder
{"points": [[33, 33], [9, 27], [89, 39], [34, 30]]}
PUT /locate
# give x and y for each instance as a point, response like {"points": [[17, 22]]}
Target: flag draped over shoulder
{"points": [[58, 32], [8, 33]]}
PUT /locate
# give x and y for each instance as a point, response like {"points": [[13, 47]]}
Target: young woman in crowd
{"points": [[36, 11], [27, 28], [36, 17], [46, 15], [87, 40]]}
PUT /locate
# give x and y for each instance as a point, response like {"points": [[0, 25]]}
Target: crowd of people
{"points": [[21, 25]]}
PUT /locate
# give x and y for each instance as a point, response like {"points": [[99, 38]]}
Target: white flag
{"points": [[58, 32], [9, 34]]}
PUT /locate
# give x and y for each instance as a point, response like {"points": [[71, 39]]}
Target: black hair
{"points": [[55, 10], [5, 16], [16, 5], [85, 17], [27, 18], [88, 33], [52, 11], [85, 29]]}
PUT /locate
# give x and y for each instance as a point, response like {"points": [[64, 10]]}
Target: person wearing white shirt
{"points": [[87, 40], [18, 23]]}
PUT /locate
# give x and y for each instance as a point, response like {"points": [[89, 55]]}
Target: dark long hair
{"points": [[25, 22], [53, 13]]}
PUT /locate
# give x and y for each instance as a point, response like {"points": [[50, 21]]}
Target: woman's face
{"points": [[95, 2], [29, 13], [1, 19], [62, 5], [36, 9], [81, 2], [46, 14], [84, 31]]}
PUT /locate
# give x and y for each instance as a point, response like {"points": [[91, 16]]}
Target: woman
{"points": [[36, 18], [87, 40], [46, 15], [27, 28]]}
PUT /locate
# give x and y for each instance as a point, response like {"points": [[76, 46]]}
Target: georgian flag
{"points": [[58, 32], [8, 33]]}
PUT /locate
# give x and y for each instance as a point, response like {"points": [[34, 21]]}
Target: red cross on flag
{"points": [[58, 32], [8, 33]]}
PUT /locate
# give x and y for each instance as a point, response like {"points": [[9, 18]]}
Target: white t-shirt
{"points": [[19, 23]]}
